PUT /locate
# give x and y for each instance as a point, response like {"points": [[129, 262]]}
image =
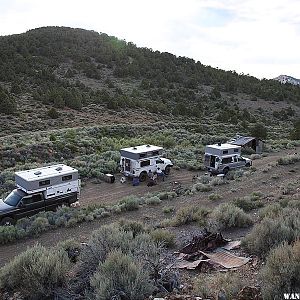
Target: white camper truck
{"points": [[221, 158], [38, 190], [139, 160]]}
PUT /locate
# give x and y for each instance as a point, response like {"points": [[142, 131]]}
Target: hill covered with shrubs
{"points": [[58, 67]]}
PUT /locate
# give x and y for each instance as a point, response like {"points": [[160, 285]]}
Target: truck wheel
{"points": [[167, 170], [226, 170], [143, 176], [247, 165], [7, 221]]}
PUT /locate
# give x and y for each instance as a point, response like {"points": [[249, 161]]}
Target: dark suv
{"points": [[19, 204]]}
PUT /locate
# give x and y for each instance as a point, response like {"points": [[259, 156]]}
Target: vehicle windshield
{"points": [[14, 197]]}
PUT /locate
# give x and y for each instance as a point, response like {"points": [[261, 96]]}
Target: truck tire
{"points": [[7, 221], [143, 176], [226, 170], [167, 170], [247, 165]]}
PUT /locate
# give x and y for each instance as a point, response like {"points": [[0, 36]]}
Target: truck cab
{"points": [[139, 160], [221, 158]]}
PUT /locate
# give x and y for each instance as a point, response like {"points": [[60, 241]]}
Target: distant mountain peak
{"points": [[287, 79]]}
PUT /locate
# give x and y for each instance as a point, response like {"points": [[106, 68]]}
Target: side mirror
{"points": [[21, 204]]}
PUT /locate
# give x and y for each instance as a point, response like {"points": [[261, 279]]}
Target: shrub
{"points": [[39, 224], [214, 197], [281, 274], [129, 203], [53, 113], [190, 214], [255, 156], [133, 226], [119, 277], [246, 204], [110, 238], [164, 237], [217, 181], [103, 241], [167, 195], [10, 233], [230, 283], [153, 200], [256, 196], [272, 211], [200, 187], [271, 232], [288, 160], [203, 179], [168, 209], [228, 215], [36, 272]]}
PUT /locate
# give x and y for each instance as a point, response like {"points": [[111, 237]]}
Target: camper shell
{"points": [[220, 158], [52, 180], [39, 190], [137, 161]]}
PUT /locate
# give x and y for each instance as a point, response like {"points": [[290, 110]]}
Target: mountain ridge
{"points": [[287, 79]]}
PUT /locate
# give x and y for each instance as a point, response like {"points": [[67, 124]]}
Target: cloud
{"points": [[261, 38]]}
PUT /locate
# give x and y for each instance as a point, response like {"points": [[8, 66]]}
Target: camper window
{"points": [[145, 163], [155, 153], [44, 182], [142, 155], [236, 150], [225, 151], [66, 178]]}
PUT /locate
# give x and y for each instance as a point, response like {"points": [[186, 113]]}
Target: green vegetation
{"points": [[188, 215], [164, 237], [120, 272], [289, 159], [114, 262], [35, 273], [281, 274], [207, 286], [277, 226], [227, 215]]}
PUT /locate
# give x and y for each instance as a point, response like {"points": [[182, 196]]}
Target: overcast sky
{"points": [[256, 37]]}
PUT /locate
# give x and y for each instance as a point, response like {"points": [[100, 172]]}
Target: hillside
{"points": [[86, 77]]}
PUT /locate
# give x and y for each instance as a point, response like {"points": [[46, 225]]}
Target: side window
{"points": [[66, 178], [32, 199], [145, 163], [236, 150], [226, 160], [142, 155], [36, 198], [44, 182], [155, 153], [159, 161], [225, 151]]}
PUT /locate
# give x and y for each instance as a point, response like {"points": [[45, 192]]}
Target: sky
{"points": [[256, 37]]}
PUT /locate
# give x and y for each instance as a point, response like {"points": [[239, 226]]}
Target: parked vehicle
{"points": [[138, 161], [221, 158], [38, 190]]}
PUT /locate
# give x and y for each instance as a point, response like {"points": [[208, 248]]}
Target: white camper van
{"points": [[139, 160], [38, 190], [220, 158]]}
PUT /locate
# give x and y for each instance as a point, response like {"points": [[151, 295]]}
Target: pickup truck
{"points": [[19, 204]]}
